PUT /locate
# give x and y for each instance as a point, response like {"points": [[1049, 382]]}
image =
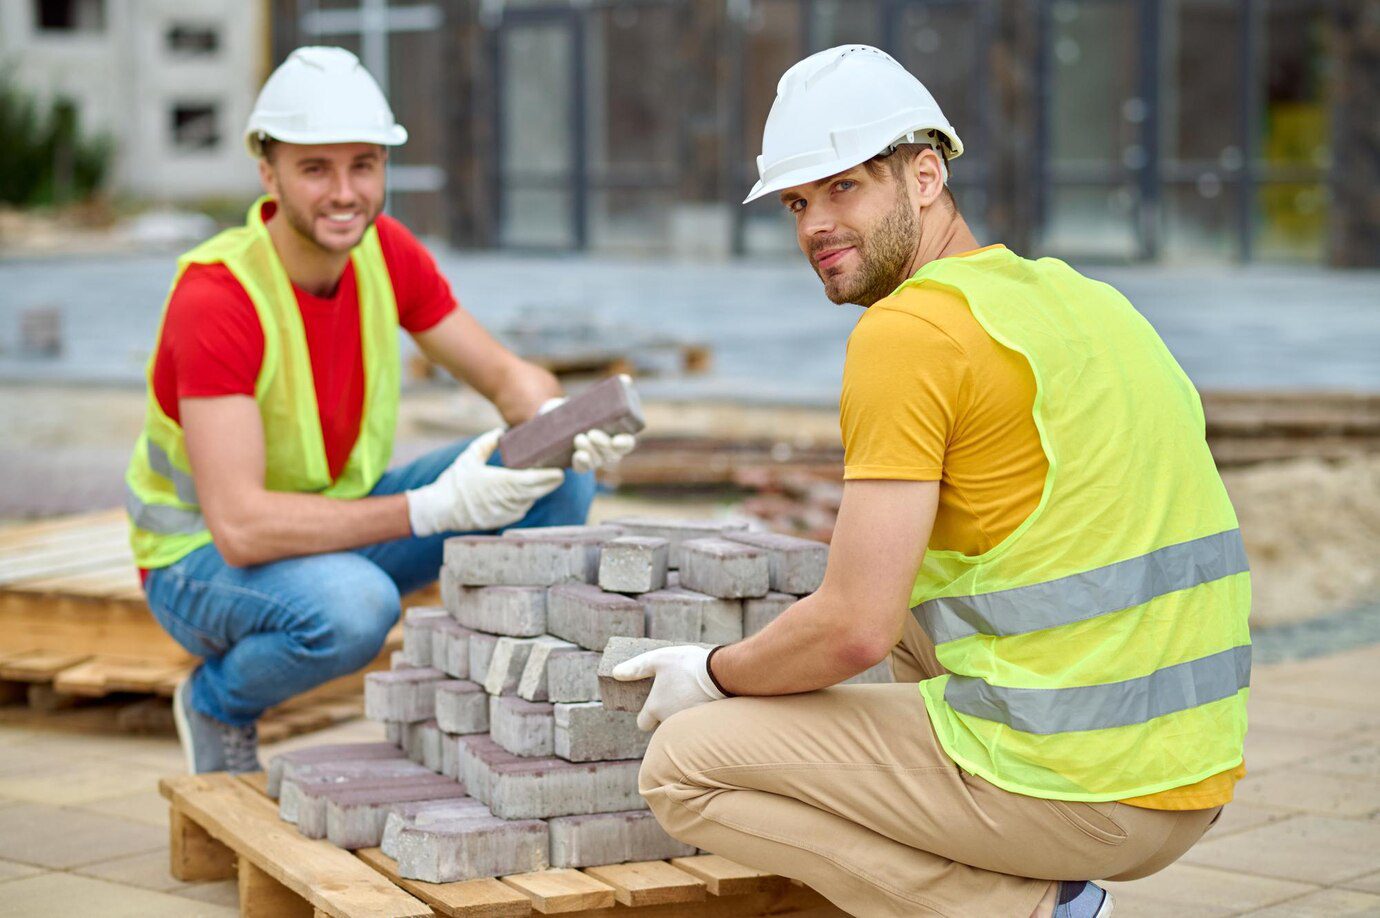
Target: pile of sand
{"points": [[1312, 533]]}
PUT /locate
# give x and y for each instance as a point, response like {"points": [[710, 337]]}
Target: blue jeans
{"points": [[275, 630]]}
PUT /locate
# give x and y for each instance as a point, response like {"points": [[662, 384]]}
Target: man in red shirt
{"points": [[271, 541]]}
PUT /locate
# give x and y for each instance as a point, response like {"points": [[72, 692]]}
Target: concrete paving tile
{"points": [[220, 892], [1301, 788], [1186, 886], [10, 870], [1327, 903], [58, 837], [1361, 760], [1369, 883], [147, 807], [1310, 849], [1347, 679], [69, 894], [1128, 903], [80, 781], [1239, 816], [148, 870], [1307, 717], [1270, 747]]}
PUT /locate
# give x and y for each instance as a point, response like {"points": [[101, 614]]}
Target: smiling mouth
{"points": [[342, 218]]}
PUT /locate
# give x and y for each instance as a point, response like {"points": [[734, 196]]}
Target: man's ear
{"points": [[927, 169], [267, 179]]}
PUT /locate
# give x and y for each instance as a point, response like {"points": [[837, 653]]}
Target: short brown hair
{"points": [[898, 158]]}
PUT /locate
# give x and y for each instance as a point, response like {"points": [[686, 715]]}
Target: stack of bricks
{"points": [[502, 756]]}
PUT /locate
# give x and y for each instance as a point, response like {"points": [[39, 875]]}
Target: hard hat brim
{"points": [[394, 136], [814, 173]]}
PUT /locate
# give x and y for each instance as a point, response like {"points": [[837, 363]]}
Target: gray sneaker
{"points": [[210, 745], [1081, 899]]}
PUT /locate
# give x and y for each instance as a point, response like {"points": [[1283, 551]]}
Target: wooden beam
{"points": [[194, 855]]}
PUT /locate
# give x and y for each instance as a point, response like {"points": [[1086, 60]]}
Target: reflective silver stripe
{"points": [[1114, 704], [182, 482], [1089, 594], [161, 518]]}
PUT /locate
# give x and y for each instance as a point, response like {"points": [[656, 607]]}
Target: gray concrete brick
{"points": [[547, 440], [521, 727], [312, 799], [356, 819], [462, 707], [588, 616], [481, 651], [572, 675], [611, 838], [450, 755], [532, 683], [324, 754], [539, 788], [685, 616], [521, 560], [424, 813], [506, 610], [675, 531], [599, 533], [406, 695], [450, 648], [760, 612], [393, 732], [627, 696], [633, 564], [729, 570], [398, 660], [506, 665], [879, 674], [418, 624], [468, 848], [421, 742], [295, 776], [589, 732], [301, 795], [796, 565]]}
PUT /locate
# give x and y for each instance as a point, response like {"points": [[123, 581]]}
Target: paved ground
{"points": [[82, 823]]}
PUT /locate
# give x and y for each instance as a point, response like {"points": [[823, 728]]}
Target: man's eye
{"points": [[796, 206], [844, 185]]}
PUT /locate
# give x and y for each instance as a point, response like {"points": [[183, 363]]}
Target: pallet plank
{"points": [[487, 898], [328, 877], [723, 877], [649, 883], [194, 856], [38, 665], [561, 890]]}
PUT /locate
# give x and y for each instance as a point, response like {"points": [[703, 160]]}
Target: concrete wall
{"points": [[126, 81]]}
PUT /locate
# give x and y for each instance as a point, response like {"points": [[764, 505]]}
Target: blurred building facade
{"points": [[170, 81]]}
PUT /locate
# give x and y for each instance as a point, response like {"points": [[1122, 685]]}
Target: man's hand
{"points": [[474, 495], [680, 680]]}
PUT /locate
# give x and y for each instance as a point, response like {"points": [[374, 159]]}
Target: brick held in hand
{"points": [[630, 695], [547, 440]]}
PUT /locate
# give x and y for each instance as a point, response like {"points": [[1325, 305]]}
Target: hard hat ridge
{"points": [[840, 107]]}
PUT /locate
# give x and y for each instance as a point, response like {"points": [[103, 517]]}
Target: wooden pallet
{"points": [[74, 624], [223, 826]]}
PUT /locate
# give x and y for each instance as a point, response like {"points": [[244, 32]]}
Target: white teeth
{"points": [[340, 218]]}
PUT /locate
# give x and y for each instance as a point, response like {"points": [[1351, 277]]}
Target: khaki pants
{"points": [[848, 790]]}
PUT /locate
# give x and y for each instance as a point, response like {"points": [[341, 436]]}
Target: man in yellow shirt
{"points": [[1032, 528]]}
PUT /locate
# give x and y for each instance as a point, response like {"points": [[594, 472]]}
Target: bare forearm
{"points": [[271, 525], [802, 650], [523, 389]]}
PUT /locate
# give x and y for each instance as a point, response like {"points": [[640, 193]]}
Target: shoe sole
{"points": [[1106, 910], [184, 729]]}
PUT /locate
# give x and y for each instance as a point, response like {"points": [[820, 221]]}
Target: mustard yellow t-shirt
{"points": [[928, 395]]}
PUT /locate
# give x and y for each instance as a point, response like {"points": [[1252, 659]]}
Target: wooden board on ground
{"points": [[330, 879], [648, 889]]}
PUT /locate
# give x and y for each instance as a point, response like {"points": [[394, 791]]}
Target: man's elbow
{"points": [[236, 544], [863, 649]]}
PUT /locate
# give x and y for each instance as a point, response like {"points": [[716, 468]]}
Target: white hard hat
{"points": [[321, 95], [841, 107]]}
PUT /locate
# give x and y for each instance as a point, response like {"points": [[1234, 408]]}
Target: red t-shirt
{"points": [[212, 343]]}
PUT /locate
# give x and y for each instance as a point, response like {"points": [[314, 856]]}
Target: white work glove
{"points": [[473, 495], [594, 449], [681, 680]]}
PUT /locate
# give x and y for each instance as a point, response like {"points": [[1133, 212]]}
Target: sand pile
{"points": [[1312, 533]]}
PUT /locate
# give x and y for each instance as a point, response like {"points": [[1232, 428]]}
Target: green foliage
{"points": [[45, 158]]}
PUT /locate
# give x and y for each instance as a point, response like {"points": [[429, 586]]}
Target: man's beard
{"points": [[883, 257], [305, 225]]}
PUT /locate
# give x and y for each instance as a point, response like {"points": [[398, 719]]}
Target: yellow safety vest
{"points": [[1101, 651], [165, 517]]}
